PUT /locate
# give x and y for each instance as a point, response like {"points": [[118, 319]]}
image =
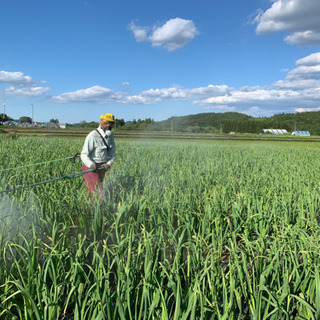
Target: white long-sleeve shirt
{"points": [[95, 151]]}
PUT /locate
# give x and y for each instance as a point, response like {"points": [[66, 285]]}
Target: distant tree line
{"points": [[213, 123], [241, 123]]}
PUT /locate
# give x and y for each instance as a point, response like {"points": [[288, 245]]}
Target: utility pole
{"points": [[4, 108], [32, 113]]}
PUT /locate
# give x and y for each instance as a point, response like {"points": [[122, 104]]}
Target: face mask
{"points": [[107, 130]]}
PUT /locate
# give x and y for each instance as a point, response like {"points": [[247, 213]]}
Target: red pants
{"points": [[93, 180]]}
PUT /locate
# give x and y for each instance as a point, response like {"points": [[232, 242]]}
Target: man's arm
{"points": [[86, 151], [112, 152]]}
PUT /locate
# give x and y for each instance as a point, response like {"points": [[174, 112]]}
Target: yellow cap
{"points": [[107, 117]]}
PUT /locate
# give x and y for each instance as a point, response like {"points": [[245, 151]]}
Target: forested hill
{"points": [[238, 122], [208, 119]]}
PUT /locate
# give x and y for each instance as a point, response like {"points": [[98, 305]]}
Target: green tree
{"points": [[25, 119], [3, 117], [120, 123]]}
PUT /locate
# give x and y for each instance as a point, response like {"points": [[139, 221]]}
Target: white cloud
{"points": [[300, 17], [304, 38], [210, 90], [220, 108], [219, 100], [92, 94], [250, 96], [304, 72], [26, 91], [310, 60], [21, 84], [125, 84], [140, 99], [172, 35], [301, 87], [178, 92], [151, 96], [140, 33], [166, 93], [16, 78], [297, 84], [307, 68]]}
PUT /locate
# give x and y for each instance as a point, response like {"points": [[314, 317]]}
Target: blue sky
{"points": [[76, 59]]}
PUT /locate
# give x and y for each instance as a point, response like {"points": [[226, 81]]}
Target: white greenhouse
{"points": [[300, 133], [274, 131]]}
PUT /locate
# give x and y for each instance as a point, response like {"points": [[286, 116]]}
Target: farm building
{"points": [[274, 131], [300, 133]]}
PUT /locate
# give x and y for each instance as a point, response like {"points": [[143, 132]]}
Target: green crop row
{"points": [[187, 230]]}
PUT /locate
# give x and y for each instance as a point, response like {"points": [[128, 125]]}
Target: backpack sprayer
{"points": [[50, 180]]}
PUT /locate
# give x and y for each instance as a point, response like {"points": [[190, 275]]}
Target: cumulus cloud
{"points": [[21, 84], [308, 68], [179, 93], [172, 35], [312, 59], [300, 90], [151, 96], [140, 33], [299, 17], [254, 95], [304, 38], [297, 84], [15, 78], [92, 94], [26, 91]]}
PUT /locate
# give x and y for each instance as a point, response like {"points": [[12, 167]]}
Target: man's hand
{"points": [[93, 166], [106, 166]]}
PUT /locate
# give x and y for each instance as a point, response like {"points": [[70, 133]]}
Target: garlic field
{"points": [[187, 230]]}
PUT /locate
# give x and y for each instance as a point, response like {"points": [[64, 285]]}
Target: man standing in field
{"points": [[98, 153]]}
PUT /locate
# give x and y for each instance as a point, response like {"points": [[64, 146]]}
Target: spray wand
{"points": [[51, 180], [44, 162]]}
